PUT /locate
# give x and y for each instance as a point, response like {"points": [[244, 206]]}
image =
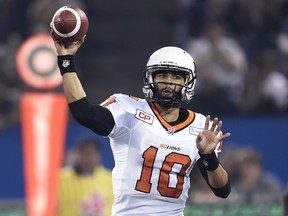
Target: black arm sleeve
{"points": [[95, 117], [222, 192]]}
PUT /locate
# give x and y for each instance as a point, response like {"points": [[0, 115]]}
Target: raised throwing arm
{"points": [[94, 117], [73, 89]]}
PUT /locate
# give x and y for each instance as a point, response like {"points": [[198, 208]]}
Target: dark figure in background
{"points": [[85, 184]]}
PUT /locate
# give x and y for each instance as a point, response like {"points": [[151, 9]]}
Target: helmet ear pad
{"points": [[148, 91]]}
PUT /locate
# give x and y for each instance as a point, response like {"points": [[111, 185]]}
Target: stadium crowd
{"points": [[240, 48]]}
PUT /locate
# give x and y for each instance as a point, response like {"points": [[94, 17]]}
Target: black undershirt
{"points": [[95, 117], [183, 115]]}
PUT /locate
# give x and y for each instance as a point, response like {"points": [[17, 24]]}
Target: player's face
{"points": [[169, 83]]}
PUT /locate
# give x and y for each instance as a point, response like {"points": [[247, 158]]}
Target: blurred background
{"points": [[241, 52]]}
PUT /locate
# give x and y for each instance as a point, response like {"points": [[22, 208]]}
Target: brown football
{"points": [[70, 23]]}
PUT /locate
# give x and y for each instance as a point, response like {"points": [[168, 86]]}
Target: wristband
{"points": [[66, 64], [210, 161]]}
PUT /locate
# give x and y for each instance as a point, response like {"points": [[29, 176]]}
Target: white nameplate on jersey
{"points": [[145, 117], [194, 130]]}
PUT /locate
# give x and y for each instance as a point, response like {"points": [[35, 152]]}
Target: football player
{"points": [[155, 142]]}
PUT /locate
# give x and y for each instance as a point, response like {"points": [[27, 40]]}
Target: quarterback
{"points": [[155, 142]]}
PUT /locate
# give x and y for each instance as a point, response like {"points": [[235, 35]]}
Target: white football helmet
{"points": [[170, 59]]}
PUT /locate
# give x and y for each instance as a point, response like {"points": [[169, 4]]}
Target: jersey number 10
{"points": [[144, 183]]}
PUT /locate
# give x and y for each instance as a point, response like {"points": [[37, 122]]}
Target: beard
{"points": [[168, 97]]}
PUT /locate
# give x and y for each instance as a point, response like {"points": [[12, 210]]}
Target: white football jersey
{"points": [[152, 159]]}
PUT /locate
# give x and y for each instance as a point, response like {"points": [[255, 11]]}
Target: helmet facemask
{"points": [[159, 94], [152, 92]]}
